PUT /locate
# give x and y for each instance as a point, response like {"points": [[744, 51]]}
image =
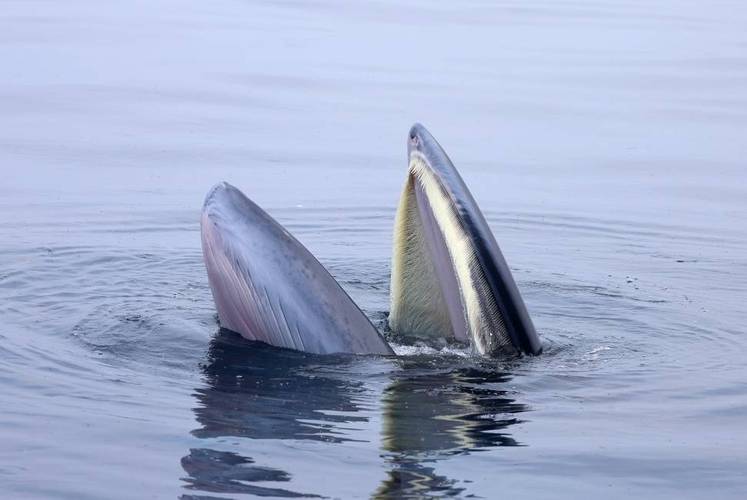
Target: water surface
{"points": [[605, 142]]}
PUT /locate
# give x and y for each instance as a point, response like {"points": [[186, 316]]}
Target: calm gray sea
{"points": [[606, 142]]}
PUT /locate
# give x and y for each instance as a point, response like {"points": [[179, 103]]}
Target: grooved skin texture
{"points": [[418, 307], [268, 287], [413, 280]]}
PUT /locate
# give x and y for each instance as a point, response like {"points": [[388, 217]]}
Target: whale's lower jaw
{"points": [[449, 278], [268, 287]]}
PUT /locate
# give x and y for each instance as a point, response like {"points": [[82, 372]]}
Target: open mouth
{"points": [[449, 277]]}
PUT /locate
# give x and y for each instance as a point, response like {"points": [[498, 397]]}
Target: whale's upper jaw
{"points": [[439, 220], [267, 286]]}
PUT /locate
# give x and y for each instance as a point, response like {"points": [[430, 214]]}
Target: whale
{"points": [[268, 287], [449, 278]]}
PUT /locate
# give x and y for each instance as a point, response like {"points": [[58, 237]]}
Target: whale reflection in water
{"points": [[433, 407], [262, 392], [257, 391], [432, 413], [226, 472]]}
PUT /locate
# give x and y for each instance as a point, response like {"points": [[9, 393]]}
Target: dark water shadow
{"points": [[227, 472], [434, 410], [257, 391], [261, 392]]}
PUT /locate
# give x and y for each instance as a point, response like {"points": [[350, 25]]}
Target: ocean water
{"points": [[606, 143]]}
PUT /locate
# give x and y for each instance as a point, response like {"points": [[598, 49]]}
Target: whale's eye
{"points": [[414, 139]]}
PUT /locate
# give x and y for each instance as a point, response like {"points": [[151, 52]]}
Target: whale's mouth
{"points": [[449, 278]]}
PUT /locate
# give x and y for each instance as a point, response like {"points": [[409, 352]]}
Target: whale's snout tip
{"points": [[215, 192], [415, 137]]}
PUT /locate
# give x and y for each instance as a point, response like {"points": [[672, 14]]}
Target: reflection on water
{"points": [[257, 391], [434, 407], [227, 472], [447, 412], [430, 415]]}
